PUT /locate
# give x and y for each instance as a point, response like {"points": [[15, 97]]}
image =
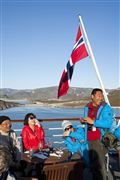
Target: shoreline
{"points": [[52, 106], [59, 105], [66, 104]]}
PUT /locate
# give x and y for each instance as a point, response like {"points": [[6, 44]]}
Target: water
{"points": [[47, 112], [44, 113]]}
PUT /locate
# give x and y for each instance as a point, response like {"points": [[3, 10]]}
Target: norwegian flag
{"points": [[79, 52]]}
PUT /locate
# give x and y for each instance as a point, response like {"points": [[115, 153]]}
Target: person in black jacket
{"points": [[9, 138], [5, 160]]}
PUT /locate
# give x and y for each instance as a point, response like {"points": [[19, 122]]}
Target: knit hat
{"points": [[65, 124], [3, 118]]}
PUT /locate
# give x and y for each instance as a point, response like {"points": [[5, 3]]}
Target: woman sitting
{"points": [[32, 133], [74, 139]]}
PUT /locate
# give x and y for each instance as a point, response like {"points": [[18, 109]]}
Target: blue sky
{"points": [[37, 38]]}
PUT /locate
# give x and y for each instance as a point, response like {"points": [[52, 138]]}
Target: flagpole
{"points": [[93, 61]]}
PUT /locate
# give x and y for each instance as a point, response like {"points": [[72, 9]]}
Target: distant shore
{"points": [[76, 97], [6, 105], [71, 105], [57, 104]]}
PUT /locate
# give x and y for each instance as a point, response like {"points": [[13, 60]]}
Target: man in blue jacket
{"points": [[74, 139], [98, 117]]}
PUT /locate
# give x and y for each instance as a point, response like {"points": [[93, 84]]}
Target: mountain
{"points": [[5, 105], [47, 93], [75, 96], [114, 97]]}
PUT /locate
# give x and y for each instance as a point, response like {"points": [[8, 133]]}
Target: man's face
{"points": [[97, 98], [5, 126]]}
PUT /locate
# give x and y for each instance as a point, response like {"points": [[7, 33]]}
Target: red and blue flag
{"points": [[79, 52]]}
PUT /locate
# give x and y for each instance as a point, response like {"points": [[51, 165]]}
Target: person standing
{"points": [[98, 117]]}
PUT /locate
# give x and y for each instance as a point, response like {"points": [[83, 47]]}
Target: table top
{"points": [[51, 158]]}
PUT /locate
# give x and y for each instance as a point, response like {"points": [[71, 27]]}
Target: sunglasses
{"points": [[32, 117], [67, 129]]}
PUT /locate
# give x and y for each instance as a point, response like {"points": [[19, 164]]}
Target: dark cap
{"points": [[3, 118]]}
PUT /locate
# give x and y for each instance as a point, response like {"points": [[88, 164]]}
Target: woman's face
{"points": [[69, 128], [5, 126], [31, 120]]}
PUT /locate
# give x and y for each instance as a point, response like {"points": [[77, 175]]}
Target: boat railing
{"points": [[55, 133], [53, 130]]}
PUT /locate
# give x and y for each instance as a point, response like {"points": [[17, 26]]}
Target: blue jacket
{"points": [[104, 120], [117, 132], [79, 145]]}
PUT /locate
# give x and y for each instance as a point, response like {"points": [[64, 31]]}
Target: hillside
{"points": [[114, 97], [48, 96], [5, 105], [43, 94]]}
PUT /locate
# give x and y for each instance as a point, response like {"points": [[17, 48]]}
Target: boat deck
{"points": [[114, 159]]}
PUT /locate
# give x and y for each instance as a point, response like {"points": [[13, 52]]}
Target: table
{"points": [[39, 164], [49, 160]]}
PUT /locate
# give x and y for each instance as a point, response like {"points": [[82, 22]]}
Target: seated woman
{"points": [[74, 139], [8, 138], [32, 133]]}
